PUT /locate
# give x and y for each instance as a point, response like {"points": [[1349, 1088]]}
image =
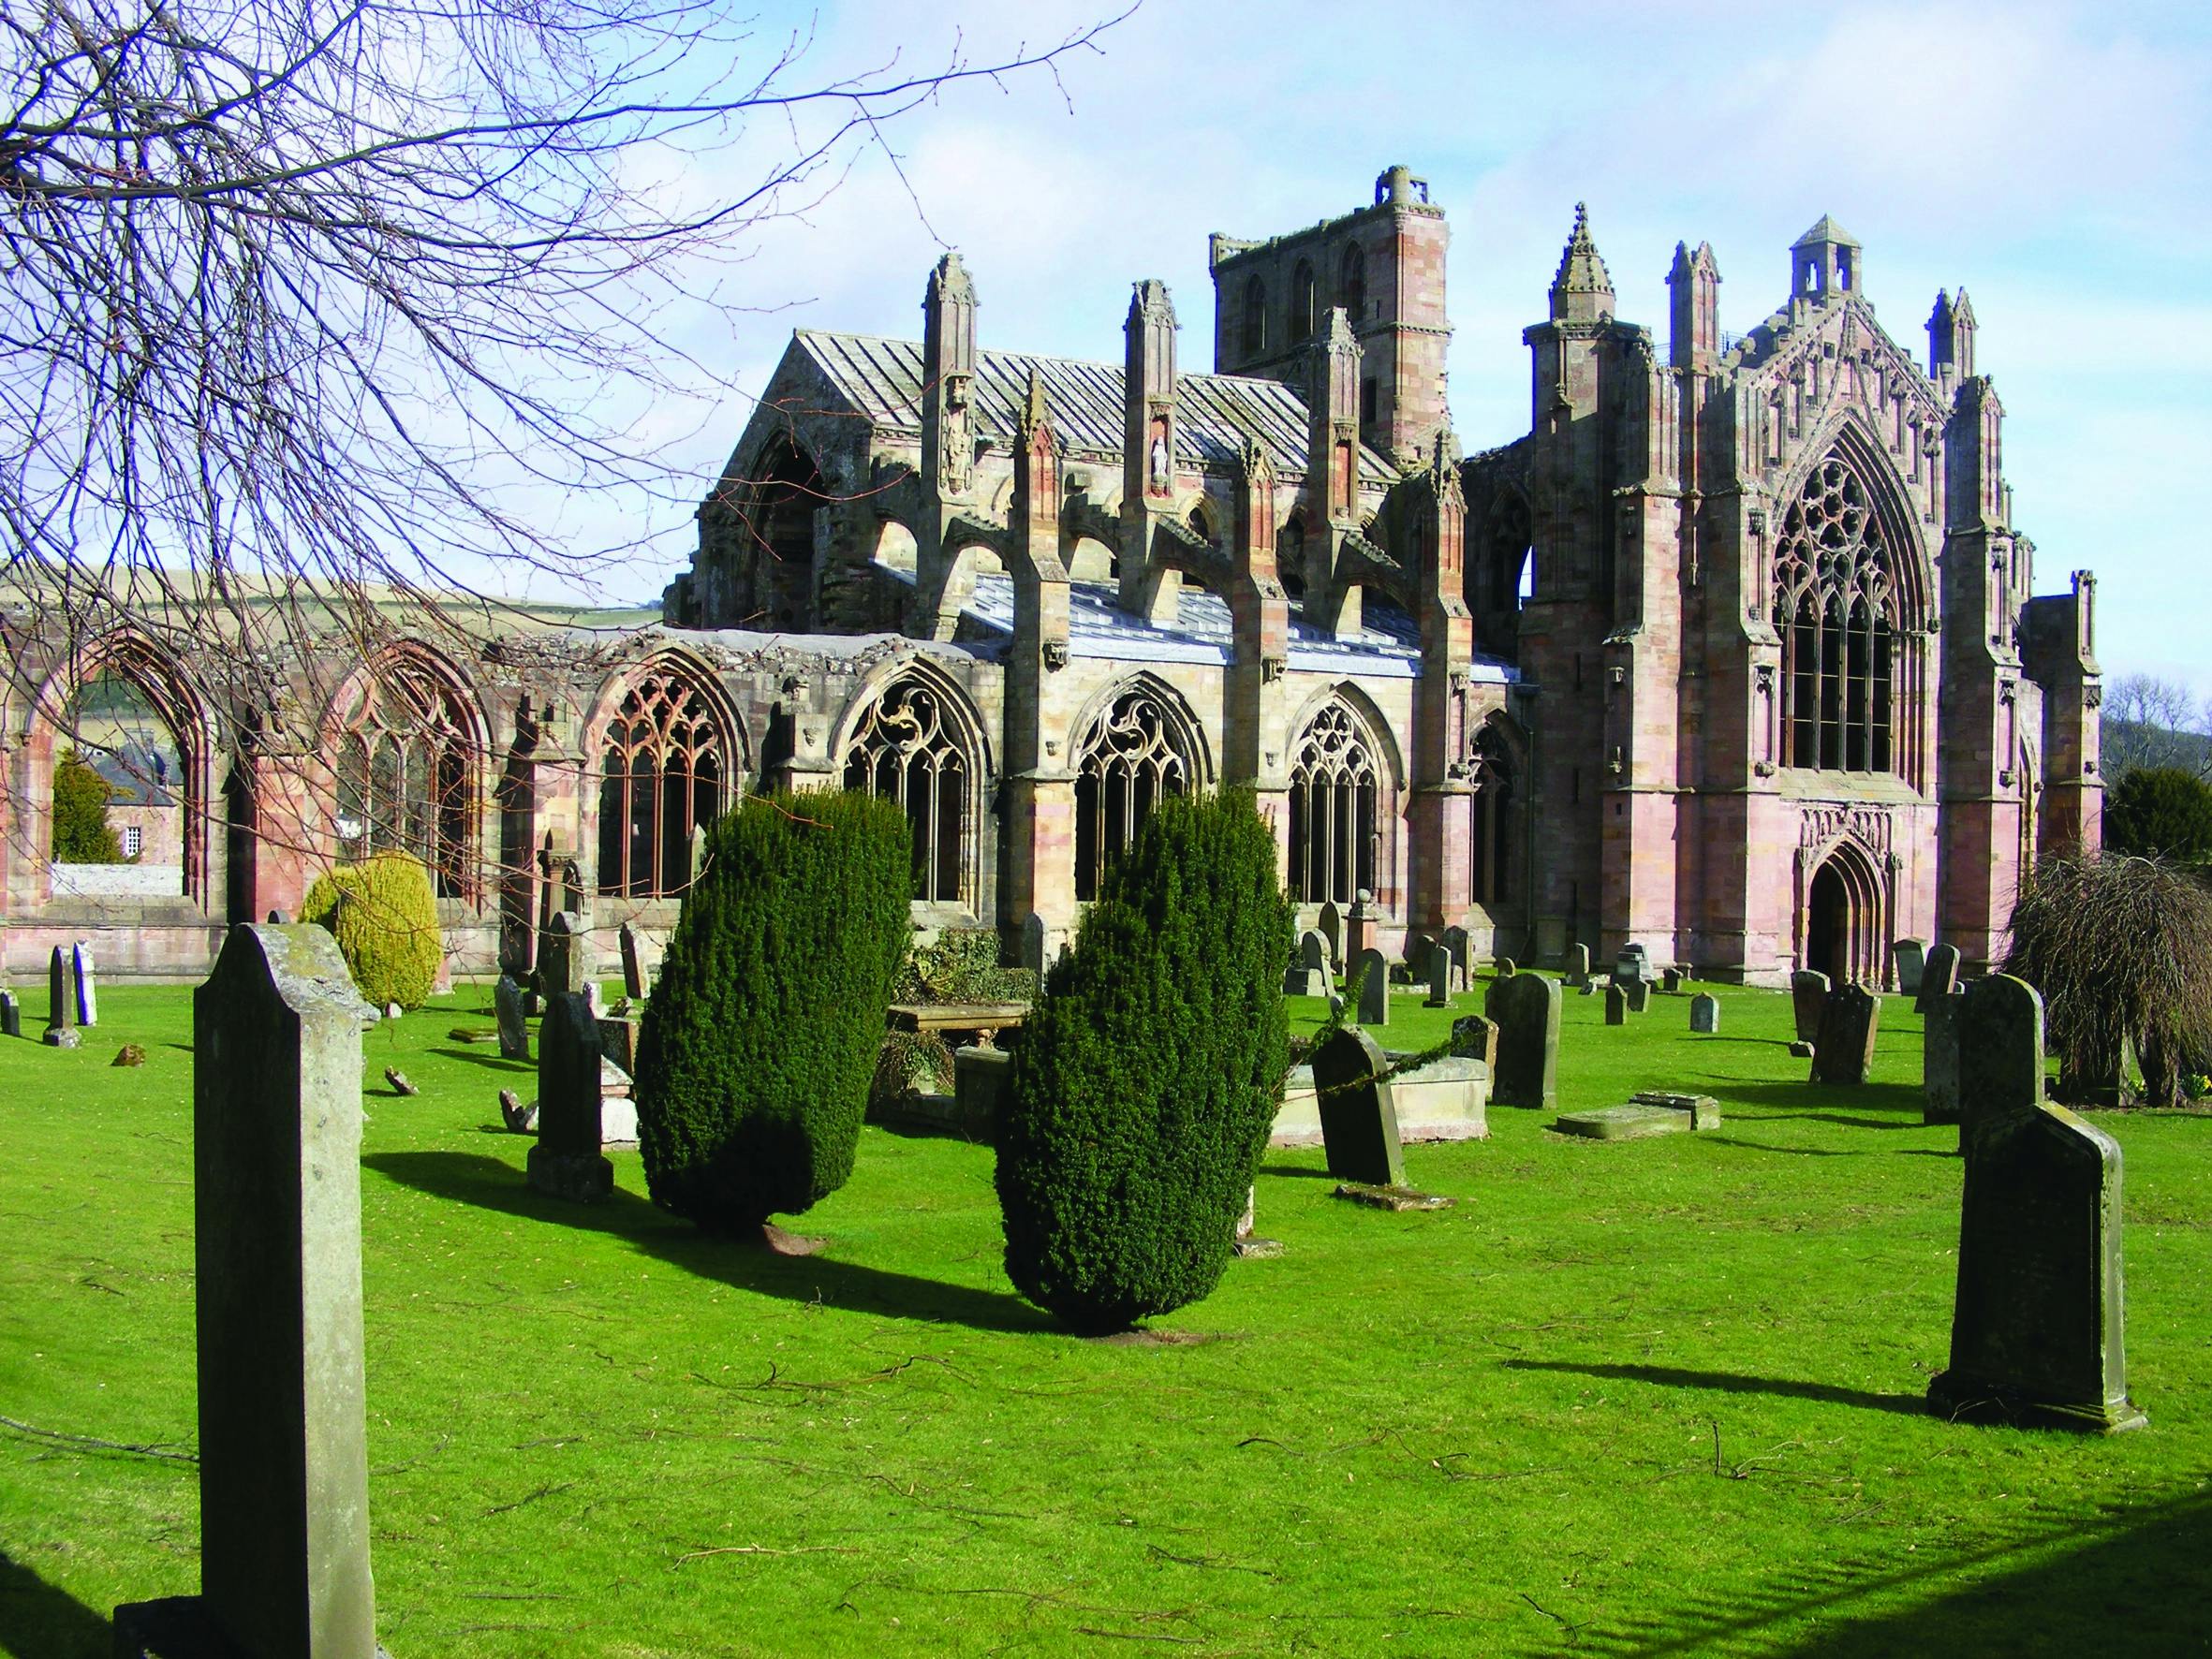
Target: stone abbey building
{"points": [[1733, 653]]}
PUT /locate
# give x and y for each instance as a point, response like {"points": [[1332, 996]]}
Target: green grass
{"points": [[1659, 1397]]}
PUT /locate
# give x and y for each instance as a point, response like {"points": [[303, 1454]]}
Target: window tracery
{"points": [[1836, 608], [1255, 338], [1134, 754], [909, 748], [404, 778], [663, 770], [1302, 302], [1336, 800]]}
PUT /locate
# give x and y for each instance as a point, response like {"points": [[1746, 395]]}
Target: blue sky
{"points": [[2049, 157]]}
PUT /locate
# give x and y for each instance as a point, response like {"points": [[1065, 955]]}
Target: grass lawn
{"points": [[1658, 1397]]}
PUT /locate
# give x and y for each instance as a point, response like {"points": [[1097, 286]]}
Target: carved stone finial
{"points": [[1581, 271], [951, 283]]}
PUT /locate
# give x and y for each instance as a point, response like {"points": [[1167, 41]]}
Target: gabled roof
{"points": [[882, 380], [1826, 230]]}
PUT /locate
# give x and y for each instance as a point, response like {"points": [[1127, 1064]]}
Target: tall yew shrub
{"points": [[1145, 1082], [762, 1032]]}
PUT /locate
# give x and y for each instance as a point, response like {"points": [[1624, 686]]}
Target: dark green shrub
{"points": [[764, 1030], [81, 833], [1146, 1081], [2159, 811], [384, 917]]}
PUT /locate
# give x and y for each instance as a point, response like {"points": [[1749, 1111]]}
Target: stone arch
{"points": [[911, 735], [1352, 284], [1135, 744], [664, 752], [1346, 784], [896, 546], [1846, 436], [1254, 323], [1507, 561], [1304, 319], [1843, 912], [783, 490], [405, 746], [1499, 853]]}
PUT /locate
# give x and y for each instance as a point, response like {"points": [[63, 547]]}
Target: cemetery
{"points": [[1642, 1336]]}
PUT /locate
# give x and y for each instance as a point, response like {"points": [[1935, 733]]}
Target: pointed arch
{"points": [[781, 493], [1843, 912], [1497, 839], [1304, 317], [407, 742], [1508, 561], [1352, 283], [911, 735], [1254, 337], [1135, 743], [1345, 776], [670, 755]]}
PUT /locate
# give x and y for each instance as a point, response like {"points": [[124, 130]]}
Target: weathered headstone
{"points": [[283, 1480], [633, 972], [1506, 968], [1633, 961], [399, 1082], [82, 983], [61, 1003], [1439, 976], [1670, 981], [1587, 988], [1911, 959], [1638, 992], [1649, 1112], [1844, 1050], [1616, 1004], [12, 1014], [1704, 1013], [562, 950], [1359, 1121], [2037, 1331], [1374, 976], [1939, 976], [1332, 929], [514, 1029], [521, 1119], [618, 1041], [566, 1161], [1474, 1037], [1359, 926], [1527, 1010], [1938, 1063], [1456, 942], [1808, 1001], [1310, 973], [1578, 966]]}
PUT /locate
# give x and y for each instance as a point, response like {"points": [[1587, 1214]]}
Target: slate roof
{"points": [[882, 379]]}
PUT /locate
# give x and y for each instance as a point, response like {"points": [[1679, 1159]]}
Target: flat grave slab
{"points": [[1651, 1112], [1390, 1197]]}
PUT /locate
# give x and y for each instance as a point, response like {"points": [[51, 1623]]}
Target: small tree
{"points": [[81, 833], [762, 1032], [384, 916], [1145, 1083], [2121, 949], [2159, 811]]}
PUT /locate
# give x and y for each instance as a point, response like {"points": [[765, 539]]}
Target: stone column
{"points": [[1443, 819], [1256, 720]]}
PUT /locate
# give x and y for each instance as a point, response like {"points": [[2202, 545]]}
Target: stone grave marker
{"points": [[1616, 1004], [1506, 968], [1439, 976], [1358, 927], [1704, 1014], [1474, 1037], [1911, 959], [1359, 1120], [1527, 1010], [1845, 1048], [1332, 929], [61, 1003], [1578, 966], [562, 950], [1638, 992], [1938, 977], [1670, 981], [1633, 963], [2037, 1328], [1648, 1112], [514, 1029], [82, 983], [566, 1161], [1309, 974], [1374, 976], [633, 972], [1455, 941], [284, 1476], [1938, 1063], [1808, 1000], [12, 1014]]}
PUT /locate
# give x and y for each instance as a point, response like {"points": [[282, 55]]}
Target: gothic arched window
{"points": [[664, 764], [1492, 803], [1255, 337], [1290, 555], [1336, 796], [1136, 752], [1510, 545], [406, 777], [1301, 300], [1353, 287], [909, 748], [1836, 608]]}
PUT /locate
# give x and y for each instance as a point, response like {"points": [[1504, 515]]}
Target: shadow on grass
{"points": [[490, 1062], [2133, 1581], [1902, 1099], [1795, 1151], [1668, 1376], [492, 1184], [36, 1617], [1297, 1172]]}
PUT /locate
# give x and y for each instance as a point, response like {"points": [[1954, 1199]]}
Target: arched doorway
{"points": [[1828, 925], [1844, 922]]}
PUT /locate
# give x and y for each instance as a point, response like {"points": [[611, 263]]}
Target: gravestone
{"points": [[1670, 981], [1587, 988], [1633, 963], [1309, 974], [1527, 1010], [1439, 976], [1359, 926], [284, 1477], [2037, 1328], [514, 1028], [1578, 966], [1455, 941], [1808, 1000], [1506, 968], [1704, 1014], [1474, 1037], [12, 1014], [1359, 1120], [1638, 992], [1332, 929], [1938, 1063], [1938, 977], [1374, 978], [1845, 1048], [82, 984], [1648, 1112], [618, 1041], [61, 1003], [633, 972], [566, 1161], [1616, 1004], [562, 950], [1911, 959]]}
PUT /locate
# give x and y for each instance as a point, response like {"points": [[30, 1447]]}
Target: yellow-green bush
{"points": [[385, 918]]}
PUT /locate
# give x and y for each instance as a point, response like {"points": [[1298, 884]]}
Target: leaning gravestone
{"points": [[2036, 1330], [562, 949], [566, 1161], [1938, 1063], [1359, 1120], [61, 1003], [82, 985], [1332, 929], [633, 972], [514, 1029], [1474, 1037], [12, 1014], [1455, 941], [1527, 1010], [1578, 966], [1439, 976], [1617, 1006], [1704, 1014], [1808, 1000], [1638, 991], [1939, 976], [1844, 1050], [284, 1477], [1374, 976], [1911, 958]]}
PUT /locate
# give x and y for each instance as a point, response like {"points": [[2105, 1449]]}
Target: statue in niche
{"points": [[955, 446], [1160, 467]]}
